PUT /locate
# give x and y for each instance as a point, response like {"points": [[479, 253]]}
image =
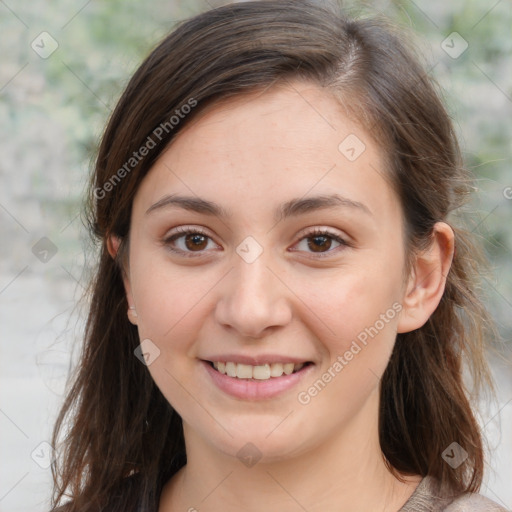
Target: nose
{"points": [[254, 300]]}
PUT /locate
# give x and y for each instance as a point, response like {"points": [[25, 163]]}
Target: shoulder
{"points": [[428, 498], [474, 503]]}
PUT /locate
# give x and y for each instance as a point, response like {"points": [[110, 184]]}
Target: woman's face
{"points": [[295, 255]]}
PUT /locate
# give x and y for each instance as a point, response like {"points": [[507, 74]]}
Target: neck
{"points": [[345, 472]]}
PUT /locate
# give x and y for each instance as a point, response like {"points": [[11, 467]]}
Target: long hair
{"points": [[115, 422]]}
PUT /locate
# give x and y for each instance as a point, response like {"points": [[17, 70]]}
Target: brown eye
{"points": [[196, 241], [188, 241], [319, 243]]}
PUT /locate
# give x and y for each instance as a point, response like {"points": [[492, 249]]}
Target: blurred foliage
{"points": [[53, 111]]}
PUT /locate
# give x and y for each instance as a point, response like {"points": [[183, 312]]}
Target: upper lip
{"points": [[256, 360]]}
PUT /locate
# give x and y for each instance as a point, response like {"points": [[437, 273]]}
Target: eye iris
{"points": [[323, 241], [196, 240]]}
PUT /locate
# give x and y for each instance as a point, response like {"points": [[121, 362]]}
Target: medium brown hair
{"points": [[115, 421]]}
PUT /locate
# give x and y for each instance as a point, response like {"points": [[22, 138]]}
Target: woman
{"points": [[281, 309]]}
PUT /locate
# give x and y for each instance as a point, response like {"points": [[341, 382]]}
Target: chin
{"points": [[263, 441]]}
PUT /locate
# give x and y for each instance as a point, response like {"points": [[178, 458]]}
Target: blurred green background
{"points": [[52, 113]]}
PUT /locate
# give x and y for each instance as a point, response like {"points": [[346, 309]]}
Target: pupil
{"points": [[321, 241]]}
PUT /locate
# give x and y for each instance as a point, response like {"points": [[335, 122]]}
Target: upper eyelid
{"points": [[183, 230], [311, 230]]}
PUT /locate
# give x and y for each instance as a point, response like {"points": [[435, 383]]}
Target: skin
{"points": [[250, 155]]}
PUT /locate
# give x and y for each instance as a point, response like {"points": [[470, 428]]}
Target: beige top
{"points": [[426, 498]]}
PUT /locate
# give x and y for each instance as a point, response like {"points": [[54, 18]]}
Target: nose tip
{"points": [[253, 301]]}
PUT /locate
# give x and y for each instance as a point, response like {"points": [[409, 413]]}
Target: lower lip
{"points": [[252, 389]]}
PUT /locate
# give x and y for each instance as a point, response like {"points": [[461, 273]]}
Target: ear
{"points": [[113, 243], [427, 281]]}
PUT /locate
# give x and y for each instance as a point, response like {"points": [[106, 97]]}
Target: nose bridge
{"points": [[253, 298]]}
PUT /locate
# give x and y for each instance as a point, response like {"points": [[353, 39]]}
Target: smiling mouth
{"points": [[260, 372]]}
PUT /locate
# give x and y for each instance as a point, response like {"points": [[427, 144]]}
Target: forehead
{"points": [[299, 116], [288, 141]]}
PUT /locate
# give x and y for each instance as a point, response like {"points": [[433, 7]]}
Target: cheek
{"points": [[349, 304], [364, 322], [166, 295], [358, 313], [170, 306]]}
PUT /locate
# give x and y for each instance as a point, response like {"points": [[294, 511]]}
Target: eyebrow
{"points": [[291, 208]]}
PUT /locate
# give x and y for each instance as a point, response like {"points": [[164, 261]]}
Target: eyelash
{"points": [[180, 232]]}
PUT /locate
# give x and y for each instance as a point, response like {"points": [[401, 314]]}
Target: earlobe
{"points": [[132, 315], [427, 281]]}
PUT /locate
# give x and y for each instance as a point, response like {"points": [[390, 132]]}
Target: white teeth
{"points": [[276, 370], [259, 372], [288, 368], [244, 371], [231, 369]]}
